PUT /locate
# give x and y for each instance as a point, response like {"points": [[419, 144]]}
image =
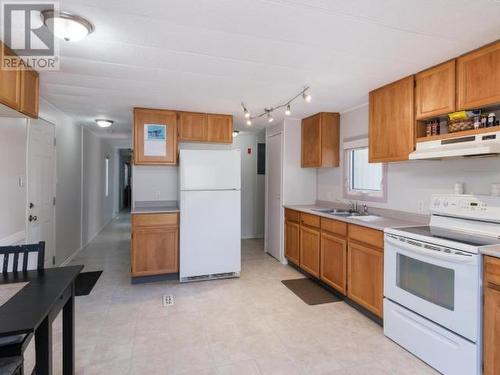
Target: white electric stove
{"points": [[432, 282]]}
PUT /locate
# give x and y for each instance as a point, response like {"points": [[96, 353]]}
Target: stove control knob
{"points": [[437, 202], [445, 203]]}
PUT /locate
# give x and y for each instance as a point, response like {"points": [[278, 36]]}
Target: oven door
{"points": [[442, 286]]}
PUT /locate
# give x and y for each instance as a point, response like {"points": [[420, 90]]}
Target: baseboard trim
{"points": [[71, 257], [14, 239]]}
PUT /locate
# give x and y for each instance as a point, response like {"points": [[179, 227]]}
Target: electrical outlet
{"points": [[421, 207]]}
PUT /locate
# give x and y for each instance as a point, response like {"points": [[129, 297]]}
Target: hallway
{"points": [[251, 325]]}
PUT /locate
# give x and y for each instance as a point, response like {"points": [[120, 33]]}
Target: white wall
{"points": [[12, 168], [411, 182], [97, 208]]}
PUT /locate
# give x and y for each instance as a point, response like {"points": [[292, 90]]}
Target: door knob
{"points": [[32, 218]]}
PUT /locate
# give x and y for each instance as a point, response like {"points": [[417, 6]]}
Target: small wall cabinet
{"points": [[19, 88], [320, 140], [478, 77], [220, 128], [435, 91], [491, 325], [193, 127], [161, 149], [391, 122], [155, 244]]}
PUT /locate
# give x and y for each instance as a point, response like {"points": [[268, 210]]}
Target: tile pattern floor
{"points": [[253, 325]]}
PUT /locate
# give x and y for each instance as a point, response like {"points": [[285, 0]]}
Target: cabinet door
{"points": [[155, 251], [155, 147], [292, 242], [392, 123], [220, 128], [29, 93], [491, 330], [365, 277], [478, 78], [10, 82], [435, 91], [309, 250], [311, 142], [334, 261], [193, 127]]}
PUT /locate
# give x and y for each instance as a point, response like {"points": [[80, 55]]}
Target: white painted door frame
{"points": [[50, 254], [275, 132]]}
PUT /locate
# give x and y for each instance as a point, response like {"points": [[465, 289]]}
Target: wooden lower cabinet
{"points": [[365, 275], [155, 244], [292, 242], [491, 328], [333, 265], [310, 239]]}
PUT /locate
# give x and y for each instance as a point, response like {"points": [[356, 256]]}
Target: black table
{"points": [[33, 309]]}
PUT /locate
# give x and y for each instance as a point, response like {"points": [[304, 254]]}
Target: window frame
{"points": [[357, 194]]}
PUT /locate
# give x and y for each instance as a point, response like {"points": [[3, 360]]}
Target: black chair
{"points": [[11, 366], [20, 258]]}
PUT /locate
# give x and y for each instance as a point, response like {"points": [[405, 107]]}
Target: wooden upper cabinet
{"points": [[220, 128], [392, 123], [478, 78], [320, 140], [10, 82], [435, 91], [30, 83], [157, 147], [193, 127]]}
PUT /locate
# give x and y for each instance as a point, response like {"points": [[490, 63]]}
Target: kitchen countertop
{"points": [[384, 218], [155, 207], [493, 251]]}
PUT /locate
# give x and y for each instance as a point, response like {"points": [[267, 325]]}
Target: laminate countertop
{"points": [[377, 218], [155, 207]]}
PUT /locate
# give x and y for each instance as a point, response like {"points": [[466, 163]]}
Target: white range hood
{"points": [[485, 144]]}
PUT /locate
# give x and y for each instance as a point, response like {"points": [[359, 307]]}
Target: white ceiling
{"points": [[209, 55]]}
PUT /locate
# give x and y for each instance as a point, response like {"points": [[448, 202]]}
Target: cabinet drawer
{"points": [[292, 215], [334, 226], [492, 270], [310, 220], [149, 220], [365, 235]]}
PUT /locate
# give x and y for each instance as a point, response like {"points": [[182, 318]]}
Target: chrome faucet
{"points": [[354, 206]]}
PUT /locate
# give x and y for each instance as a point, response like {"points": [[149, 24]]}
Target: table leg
{"points": [[69, 334], [43, 347]]}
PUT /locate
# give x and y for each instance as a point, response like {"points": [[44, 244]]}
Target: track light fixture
{"points": [[268, 111]]}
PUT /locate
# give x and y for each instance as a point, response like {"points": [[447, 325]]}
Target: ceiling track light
{"points": [[268, 111], [235, 133]]}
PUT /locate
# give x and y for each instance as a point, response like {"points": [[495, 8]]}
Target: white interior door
{"points": [[41, 186], [274, 205]]}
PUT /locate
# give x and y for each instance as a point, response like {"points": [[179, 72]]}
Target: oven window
{"points": [[433, 283]]}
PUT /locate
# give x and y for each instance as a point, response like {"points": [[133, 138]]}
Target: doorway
{"points": [[41, 187], [125, 178], [274, 196]]}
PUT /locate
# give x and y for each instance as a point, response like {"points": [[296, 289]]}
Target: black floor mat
{"points": [[310, 292], [85, 282]]}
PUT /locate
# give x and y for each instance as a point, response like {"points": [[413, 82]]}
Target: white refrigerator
{"points": [[210, 211]]}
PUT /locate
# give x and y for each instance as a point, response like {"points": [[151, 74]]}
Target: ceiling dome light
{"points": [[67, 26], [288, 112], [235, 133], [307, 97], [249, 122], [102, 123]]}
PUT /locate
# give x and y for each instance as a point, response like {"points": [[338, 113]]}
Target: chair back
{"points": [[22, 257]]}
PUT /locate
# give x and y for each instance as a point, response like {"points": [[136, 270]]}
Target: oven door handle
{"points": [[455, 258]]}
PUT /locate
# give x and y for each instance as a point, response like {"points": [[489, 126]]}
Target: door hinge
{"points": [[53, 260], [55, 142], [54, 201]]}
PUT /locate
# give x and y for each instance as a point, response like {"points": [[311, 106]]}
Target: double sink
{"points": [[348, 214]]}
